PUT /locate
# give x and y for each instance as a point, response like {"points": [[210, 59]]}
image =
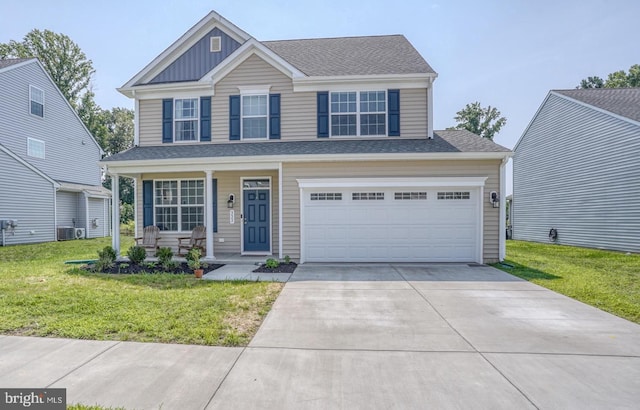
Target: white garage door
{"points": [[391, 224]]}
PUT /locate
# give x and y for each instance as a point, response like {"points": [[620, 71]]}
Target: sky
{"points": [[507, 54]]}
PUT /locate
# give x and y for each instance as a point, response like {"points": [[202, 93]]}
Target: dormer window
{"points": [[186, 119], [36, 101]]}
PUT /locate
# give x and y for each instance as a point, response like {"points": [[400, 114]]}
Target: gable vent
{"points": [[215, 44]]}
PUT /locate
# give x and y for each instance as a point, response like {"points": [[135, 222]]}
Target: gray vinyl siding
{"points": [[298, 110], [97, 211], [70, 153], [577, 169], [67, 208], [27, 197], [198, 60], [82, 212]]}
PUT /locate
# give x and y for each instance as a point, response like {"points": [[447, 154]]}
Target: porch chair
{"points": [[149, 239], [198, 240]]}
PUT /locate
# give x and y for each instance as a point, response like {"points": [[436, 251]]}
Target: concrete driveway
{"points": [[362, 337]]}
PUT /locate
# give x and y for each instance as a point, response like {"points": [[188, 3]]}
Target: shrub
{"points": [[271, 263], [106, 259], [137, 254], [287, 259], [193, 259], [164, 257]]}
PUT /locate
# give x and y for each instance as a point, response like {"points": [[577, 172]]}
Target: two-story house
{"points": [[320, 149], [50, 180]]}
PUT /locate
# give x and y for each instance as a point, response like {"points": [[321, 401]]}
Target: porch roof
{"points": [[446, 141]]}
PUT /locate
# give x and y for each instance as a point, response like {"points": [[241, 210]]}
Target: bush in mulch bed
{"points": [[148, 267], [274, 266]]}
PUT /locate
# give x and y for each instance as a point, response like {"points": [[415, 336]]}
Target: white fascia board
{"points": [[423, 182], [595, 108], [363, 82], [249, 48], [188, 39], [531, 122], [11, 67], [272, 161], [28, 165], [169, 90]]}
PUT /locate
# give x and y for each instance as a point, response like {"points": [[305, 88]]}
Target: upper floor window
{"points": [[254, 116], [358, 113], [186, 119], [35, 148], [36, 101]]}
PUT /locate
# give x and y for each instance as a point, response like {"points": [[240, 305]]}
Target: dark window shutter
{"points": [[167, 120], [147, 203], [234, 117], [274, 116], [215, 205], [394, 112], [205, 118], [323, 114]]}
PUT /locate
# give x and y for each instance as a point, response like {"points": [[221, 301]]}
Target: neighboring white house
{"points": [[50, 180], [576, 170], [320, 149]]}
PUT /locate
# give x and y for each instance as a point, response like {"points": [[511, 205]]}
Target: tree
{"points": [[63, 59], [617, 79], [485, 122]]}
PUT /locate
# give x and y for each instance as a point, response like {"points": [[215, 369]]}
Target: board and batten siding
{"points": [[298, 110], [70, 153], [229, 182], [381, 169], [577, 170], [29, 198]]}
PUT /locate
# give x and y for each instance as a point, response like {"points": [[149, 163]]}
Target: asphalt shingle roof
{"points": [[352, 55], [447, 141], [621, 101], [11, 61]]}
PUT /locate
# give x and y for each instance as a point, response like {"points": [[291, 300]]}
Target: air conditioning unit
{"points": [[79, 233], [66, 233]]}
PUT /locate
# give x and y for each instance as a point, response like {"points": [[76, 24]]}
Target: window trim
{"points": [[31, 88], [175, 120], [253, 93], [215, 40], [359, 113], [179, 205], [44, 148]]}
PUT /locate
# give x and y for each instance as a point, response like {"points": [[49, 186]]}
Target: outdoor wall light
{"points": [[494, 199], [231, 201]]}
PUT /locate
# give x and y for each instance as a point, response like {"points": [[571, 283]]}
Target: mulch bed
{"points": [[283, 268], [127, 268]]}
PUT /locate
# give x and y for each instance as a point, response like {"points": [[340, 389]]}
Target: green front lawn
{"points": [[607, 280], [40, 296]]}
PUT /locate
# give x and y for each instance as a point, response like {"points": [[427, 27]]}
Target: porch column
{"points": [[115, 212], [209, 213]]}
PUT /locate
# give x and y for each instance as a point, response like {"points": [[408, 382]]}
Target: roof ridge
{"points": [[330, 38]]}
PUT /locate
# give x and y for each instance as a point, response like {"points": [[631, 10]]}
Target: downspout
{"points": [[503, 211], [86, 215], [136, 120], [430, 110], [55, 214], [280, 210]]}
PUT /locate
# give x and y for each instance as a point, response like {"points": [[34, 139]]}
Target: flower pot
{"points": [[198, 272]]}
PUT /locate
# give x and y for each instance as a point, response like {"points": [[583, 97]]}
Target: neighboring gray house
{"points": [[49, 172], [576, 169]]}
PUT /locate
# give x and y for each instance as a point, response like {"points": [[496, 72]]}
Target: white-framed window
{"points": [[454, 195], [215, 44], [361, 113], [36, 101], [178, 204], [367, 196], [255, 109], [326, 196], [185, 119], [35, 148], [410, 196]]}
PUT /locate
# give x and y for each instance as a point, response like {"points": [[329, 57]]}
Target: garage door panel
{"points": [[420, 230]]}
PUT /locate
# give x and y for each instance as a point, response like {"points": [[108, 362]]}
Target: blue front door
{"points": [[257, 235]]}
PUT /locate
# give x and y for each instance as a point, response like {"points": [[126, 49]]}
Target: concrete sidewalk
{"points": [[366, 336]]}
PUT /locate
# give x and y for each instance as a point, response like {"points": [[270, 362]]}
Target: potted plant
{"points": [[193, 261]]}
